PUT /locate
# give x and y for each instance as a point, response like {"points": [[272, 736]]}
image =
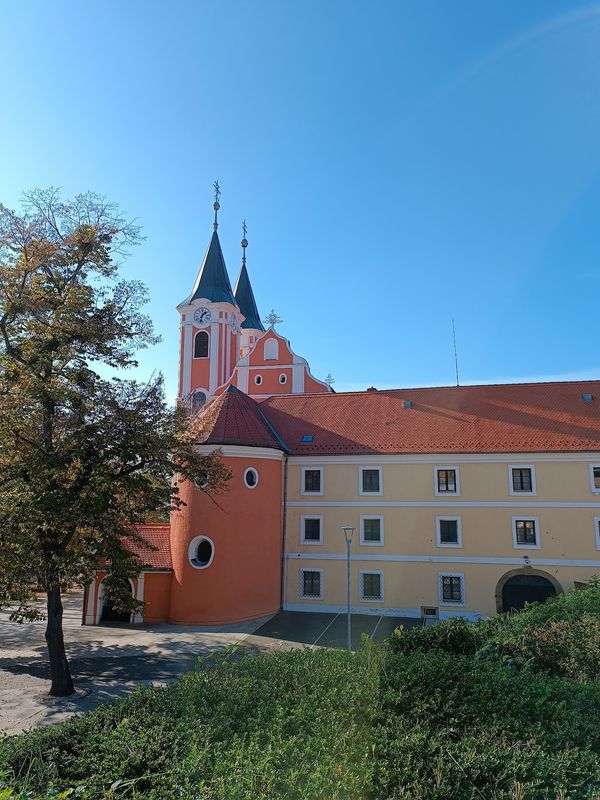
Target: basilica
{"points": [[459, 500]]}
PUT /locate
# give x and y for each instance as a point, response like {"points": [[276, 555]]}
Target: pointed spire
{"points": [[213, 281], [243, 293]]}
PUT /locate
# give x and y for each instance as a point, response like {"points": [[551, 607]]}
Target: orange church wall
{"points": [[313, 385], [157, 595], [243, 581], [270, 381], [257, 356]]}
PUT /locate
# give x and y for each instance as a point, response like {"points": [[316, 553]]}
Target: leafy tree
{"points": [[82, 456]]}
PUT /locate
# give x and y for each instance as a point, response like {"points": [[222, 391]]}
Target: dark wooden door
{"points": [[523, 589]]}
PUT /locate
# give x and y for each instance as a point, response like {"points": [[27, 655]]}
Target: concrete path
{"points": [[106, 662]]}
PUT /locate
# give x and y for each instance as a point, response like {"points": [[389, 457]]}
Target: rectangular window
{"points": [[597, 531], [371, 585], [451, 589], [311, 583], [595, 477], [371, 530], [311, 530], [370, 480], [446, 481], [448, 531], [312, 480], [525, 532], [521, 479]]}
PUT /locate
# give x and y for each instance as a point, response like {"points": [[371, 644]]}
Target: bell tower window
{"points": [[201, 345]]}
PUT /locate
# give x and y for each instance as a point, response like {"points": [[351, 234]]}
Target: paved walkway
{"points": [[106, 662]]}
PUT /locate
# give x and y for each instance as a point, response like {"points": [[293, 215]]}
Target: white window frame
{"points": [[362, 598], [592, 487], [302, 483], [368, 542], [438, 532], [193, 546], [538, 533], [311, 541], [369, 468], [301, 585], [457, 479], [451, 603], [271, 346], [514, 493], [256, 475], [597, 532], [194, 356]]}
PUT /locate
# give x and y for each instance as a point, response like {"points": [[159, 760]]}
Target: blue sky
{"points": [[398, 163]]}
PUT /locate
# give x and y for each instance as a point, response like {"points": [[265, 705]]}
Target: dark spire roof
{"points": [[244, 297], [212, 281], [243, 291]]}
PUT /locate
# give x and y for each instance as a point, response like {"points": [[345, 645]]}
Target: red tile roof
{"points": [[159, 536], [235, 418], [528, 417]]}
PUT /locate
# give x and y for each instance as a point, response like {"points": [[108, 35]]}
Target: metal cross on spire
{"points": [[244, 242], [216, 204], [272, 319]]}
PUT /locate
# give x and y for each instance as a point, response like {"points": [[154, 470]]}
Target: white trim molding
{"points": [[303, 472], [241, 451], [438, 533], [538, 533], [451, 458], [301, 584], [446, 559], [444, 467], [515, 492], [361, 589], [370, 542], [597, 532], [441, 504], [370, 468], [441, 576], [592, 482], [303, 539]]}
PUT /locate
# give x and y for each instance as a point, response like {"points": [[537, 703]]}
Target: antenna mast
{"points": [[455, 353]]}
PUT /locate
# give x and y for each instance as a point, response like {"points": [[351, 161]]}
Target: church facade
{"points": [[461, 500]]}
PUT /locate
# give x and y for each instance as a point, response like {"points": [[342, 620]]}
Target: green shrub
{"points": [[292, 725], [455, 635], [454, 727]]}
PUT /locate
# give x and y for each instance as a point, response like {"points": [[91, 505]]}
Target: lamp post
{"points": [[348, 534]]}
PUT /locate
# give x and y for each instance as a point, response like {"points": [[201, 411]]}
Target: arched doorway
{"points": [[516, 589], [108, 613]]}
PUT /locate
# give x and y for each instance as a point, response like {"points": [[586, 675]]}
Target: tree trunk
{"points": [[60, 674]]}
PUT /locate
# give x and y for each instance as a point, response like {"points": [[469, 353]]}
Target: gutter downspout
{"points": [[284, 531]]}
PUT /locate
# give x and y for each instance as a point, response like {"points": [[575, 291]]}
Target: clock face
{"points": [[202, 315]]}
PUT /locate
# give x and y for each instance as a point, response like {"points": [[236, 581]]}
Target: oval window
{"points": [[258, 380], [201, 552], [283, 378], [251, 478]]}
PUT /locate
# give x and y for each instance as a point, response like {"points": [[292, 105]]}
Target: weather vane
{"points": [[272, 319], [244, 242], [216, 204]]}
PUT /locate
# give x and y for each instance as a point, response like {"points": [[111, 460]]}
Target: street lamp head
{"points": [[348, 532]]}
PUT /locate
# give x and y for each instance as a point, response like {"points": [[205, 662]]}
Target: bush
{"points": [[294, 725], [454, 727]]}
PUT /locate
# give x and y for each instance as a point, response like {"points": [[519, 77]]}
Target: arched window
{"points": [[271, 349], [201, 345], [198, 399]]}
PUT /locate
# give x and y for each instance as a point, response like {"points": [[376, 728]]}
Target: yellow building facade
{"points": [[439, 535]]}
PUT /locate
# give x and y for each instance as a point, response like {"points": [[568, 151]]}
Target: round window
{"points": [[258, 380], [251, 478], [283, 378], [201, 552]]}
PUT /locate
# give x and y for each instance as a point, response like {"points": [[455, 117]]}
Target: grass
{"points": [[502, 710]]}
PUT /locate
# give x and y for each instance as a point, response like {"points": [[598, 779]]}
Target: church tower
{"points": [[209, 327], [252, 328]]}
